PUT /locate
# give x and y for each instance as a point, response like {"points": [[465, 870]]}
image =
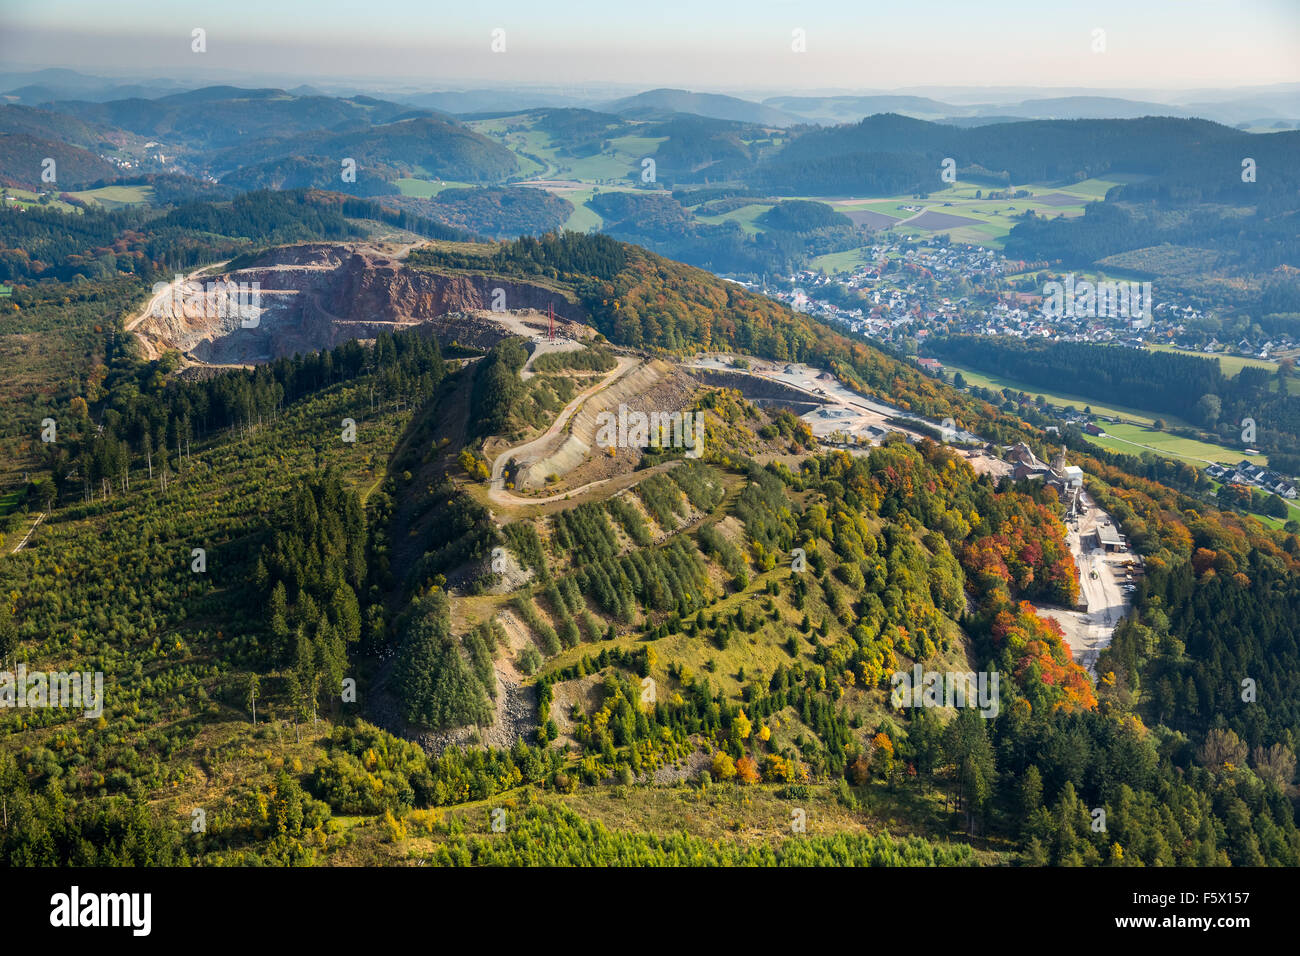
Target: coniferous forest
{"points": [[622, 477]]}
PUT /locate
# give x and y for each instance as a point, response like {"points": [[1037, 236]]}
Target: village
{"points": [[1253, 476], [920, 288]]}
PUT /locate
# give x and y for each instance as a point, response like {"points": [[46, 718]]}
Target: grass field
{"points": [[583, 218], [1293, 511], [1061, 399], [1230, 365], [114, 197], [424, 188], [996, 217], [1127, 438], [530, 168], [623, 157], [21, 197], [746, 216], [594, 169], [843, 261], [9, 501], [1090, 189]]}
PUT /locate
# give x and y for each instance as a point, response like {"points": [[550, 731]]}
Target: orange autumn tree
{"points": [[1025, 549], [747, 770], [1033, 650]]}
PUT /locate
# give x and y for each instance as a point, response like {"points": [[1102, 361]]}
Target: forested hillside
{"points": [[48, 244], [642, 300], [322, 621], [1175, 184]]}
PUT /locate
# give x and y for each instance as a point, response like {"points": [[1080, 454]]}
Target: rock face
{"points": [[316, 296], [655, 387], [761, 391]]}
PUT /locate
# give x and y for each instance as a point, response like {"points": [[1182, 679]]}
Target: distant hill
{"points": [[45, 86], [216, 117], [831, 110], [1090, 107], [308, 172], [461, 102], [577, 123], [882, 151], [713, 105], [800, 215], [424, 145], [54, 77], [22, 156], [269, 138], [501, 213], [44, 124], [700, 148], [1265, 106]]}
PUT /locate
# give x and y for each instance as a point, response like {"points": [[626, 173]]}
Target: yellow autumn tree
{"points": [[883, 756], [723, 767]]}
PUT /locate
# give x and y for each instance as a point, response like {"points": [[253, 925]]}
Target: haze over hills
{"points": [[715, 182], [849, 109], [702, 104], [1259, 106], [44, 86], [597, 435], [258, 138]]}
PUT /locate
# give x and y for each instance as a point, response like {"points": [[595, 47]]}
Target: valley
{"points": [[564, 472]]}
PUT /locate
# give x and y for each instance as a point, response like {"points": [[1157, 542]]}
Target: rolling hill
{"points": [[713, 105]]}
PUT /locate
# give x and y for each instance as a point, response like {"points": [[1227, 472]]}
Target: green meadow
{"points": [[22, 197], [746, 216], [1230, 365], [114, 197], [1134, 439], [424, 188]]}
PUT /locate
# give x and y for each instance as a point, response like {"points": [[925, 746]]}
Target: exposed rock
{"points": [[316, 296]]}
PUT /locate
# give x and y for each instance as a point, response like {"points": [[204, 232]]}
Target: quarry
{"points": [[319, 295]]}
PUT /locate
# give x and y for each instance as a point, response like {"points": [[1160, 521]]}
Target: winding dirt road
{"points": [[147, 346], [497, 492]]}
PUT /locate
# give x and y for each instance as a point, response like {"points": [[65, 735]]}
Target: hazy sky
{"points": [[702, 44]]}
